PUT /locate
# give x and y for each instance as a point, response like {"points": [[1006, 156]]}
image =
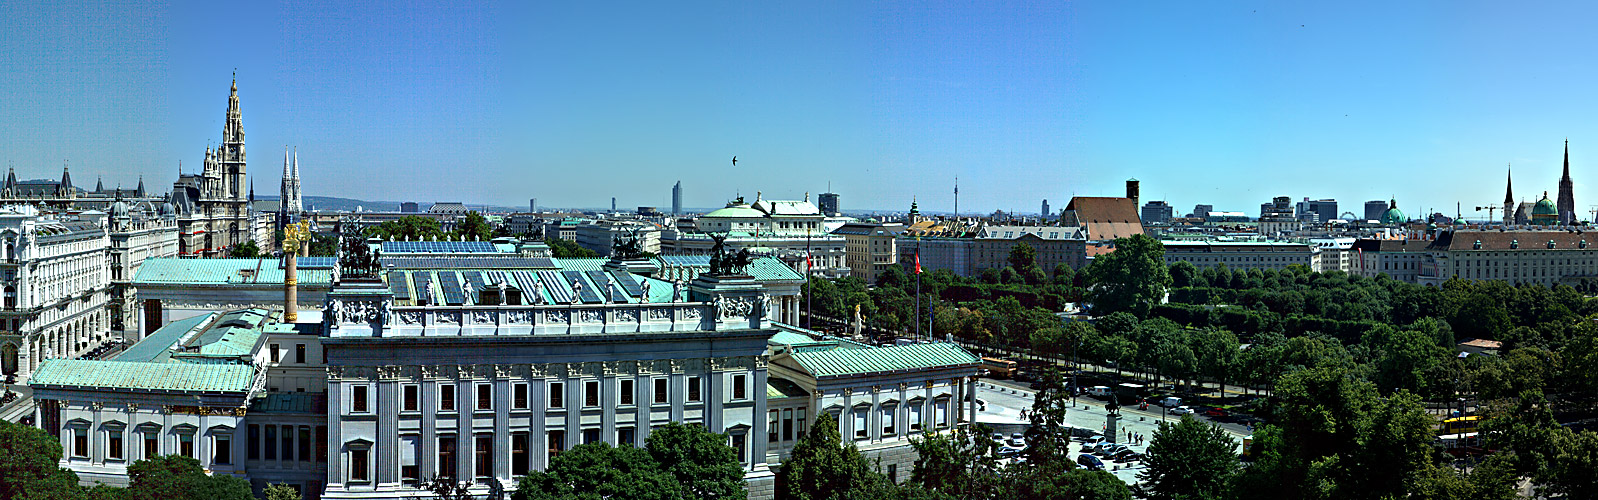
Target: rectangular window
{"points": [[787, 425], [557, 443], [276, 355], [113, 444], [557, 395], [860, 430], [288, 442], [738, 444], [358, 399], [271, 442], [446, 397], [412, 399], [915, 416], [446, 456], [485, 397], [626, 436], [627, 392], [186, 444], [740, 390], [772, 432], [799, 424], [484, 463], [321, 444], [887, 417], [518, 396], [410, 459], [299, 353], [80, 443], [519, 460], [222, 449], [693, 389], [358, 465], [253, 449], [660, 391], [590, 436], [305, 443], [940, 416], [591, 393]]}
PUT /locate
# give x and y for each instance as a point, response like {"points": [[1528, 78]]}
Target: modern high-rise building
{"points": [[1045, 210], [613, 203], [1156, 212], [1320, 210], [411, 207], [532, 205], [1374, 209], [829, 203], [1201, 210], [676, 198]]}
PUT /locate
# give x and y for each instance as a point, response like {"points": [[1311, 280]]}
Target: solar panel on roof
{"points": [[556, 286], [310, 262], [586, 293], [606, 290], [453, 295], [475, 279], [423, 279], [468, 262], [439, 247], [629, 284], [396, 284]]}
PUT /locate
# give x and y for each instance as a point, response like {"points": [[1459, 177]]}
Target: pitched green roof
{"points": [[234, 334], [93, 374], [157, 346], [845, 362], [223, 272]]}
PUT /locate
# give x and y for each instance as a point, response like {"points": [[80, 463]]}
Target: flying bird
{"points": [[735, 161]]}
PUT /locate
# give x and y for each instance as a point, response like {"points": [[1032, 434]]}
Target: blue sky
{"points": [[576, 102]]}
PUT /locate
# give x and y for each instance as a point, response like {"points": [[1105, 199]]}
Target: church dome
{"points": [[1544, 213], [1393, 216], [119, 209]]}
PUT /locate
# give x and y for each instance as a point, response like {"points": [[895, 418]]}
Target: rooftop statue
{"points": [[723, 261]]}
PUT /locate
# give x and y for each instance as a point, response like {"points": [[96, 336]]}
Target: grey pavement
{"points": [[1005, 400]]}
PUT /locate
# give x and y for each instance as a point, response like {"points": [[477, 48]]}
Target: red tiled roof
{"points": [[1106, 218]]}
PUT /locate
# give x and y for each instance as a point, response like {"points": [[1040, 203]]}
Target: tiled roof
{"points": [[846, 362], [223, 272], [1106, 218], [144, 376], [1505, 240], [1391, 245], [157, 346]]}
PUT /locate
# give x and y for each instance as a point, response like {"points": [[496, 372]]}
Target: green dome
{"points": [[1393, 216], [1545, 207]]}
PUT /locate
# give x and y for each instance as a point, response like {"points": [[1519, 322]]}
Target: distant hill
{"points": [[349, 204]]}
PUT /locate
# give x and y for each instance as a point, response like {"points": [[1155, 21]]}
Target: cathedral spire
{"points": [[1566, 204], [99, 184], [140, 191], [1509, 185]]}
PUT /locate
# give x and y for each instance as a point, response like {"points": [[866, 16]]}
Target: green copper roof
{"points": [[157, 346], [737, 211], [845, 362], [143, 376], [223, 272], [1544, 207], [234, 334]]}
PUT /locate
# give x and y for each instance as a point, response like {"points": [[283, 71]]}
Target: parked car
{"points": [[1009, 452], [1181, 410], [998, 437], [1090, 462], [1126, 455], [1091, 443], [1111, 449], [1215, 413], [1018, 440]]}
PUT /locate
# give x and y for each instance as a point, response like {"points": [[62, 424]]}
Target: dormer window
{"points": [[1477, 246], [1550, 244], [1514, 244]]}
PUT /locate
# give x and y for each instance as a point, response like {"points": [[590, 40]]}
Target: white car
{"points": [[1181, 410]]}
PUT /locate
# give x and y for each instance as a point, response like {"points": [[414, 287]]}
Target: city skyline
{"points": [[1427, 104]]}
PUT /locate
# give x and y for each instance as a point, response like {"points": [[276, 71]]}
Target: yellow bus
{"points": [[1459, 425], [999, 367]]}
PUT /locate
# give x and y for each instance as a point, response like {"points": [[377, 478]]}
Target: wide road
{"points": [[1005, 400]]}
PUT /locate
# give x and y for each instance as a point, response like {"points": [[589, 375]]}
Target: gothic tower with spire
{"points": [[290, 190], [1509, 198], [232, 151], [1567, 196]]}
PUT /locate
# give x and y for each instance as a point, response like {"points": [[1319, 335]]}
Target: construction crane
{"points": [[1490, 209]]}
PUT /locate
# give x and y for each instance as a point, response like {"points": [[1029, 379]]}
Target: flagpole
{"points": [[917, 316], [808, 311]]}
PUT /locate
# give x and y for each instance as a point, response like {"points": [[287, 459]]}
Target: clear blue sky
{"points": [[576, 102]]}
